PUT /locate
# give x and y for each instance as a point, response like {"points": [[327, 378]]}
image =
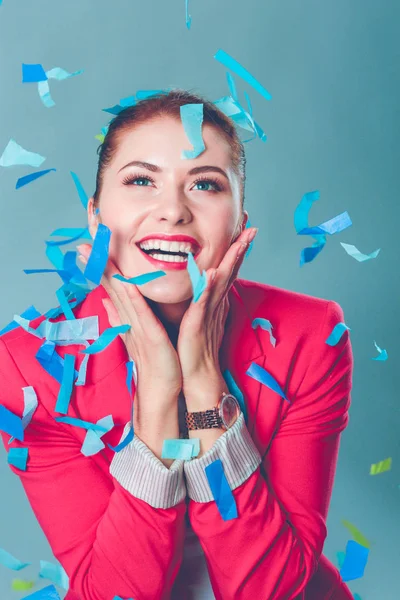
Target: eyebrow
{"points": [[157, 169]]}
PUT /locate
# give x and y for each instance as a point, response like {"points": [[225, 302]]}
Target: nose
{"points": [[172, 206]]}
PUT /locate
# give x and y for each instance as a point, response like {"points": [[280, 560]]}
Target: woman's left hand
{"points": [[202, 327]]}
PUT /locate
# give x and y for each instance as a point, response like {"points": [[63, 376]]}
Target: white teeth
{"points": [[167, 246], [167, 258]]}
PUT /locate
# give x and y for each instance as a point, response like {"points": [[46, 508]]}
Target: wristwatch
{"points": [[222, 416]]}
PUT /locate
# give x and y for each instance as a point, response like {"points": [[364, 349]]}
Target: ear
{"points": [[93, 220], [241, 226]]}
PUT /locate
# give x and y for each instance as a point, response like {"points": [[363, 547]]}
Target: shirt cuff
{"points": [[144, 476], [238, 454]]}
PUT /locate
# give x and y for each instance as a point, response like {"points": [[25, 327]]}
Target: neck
{"points": [[170, 316]]}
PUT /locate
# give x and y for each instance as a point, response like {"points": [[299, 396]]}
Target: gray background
{"points": [[332, 125]]}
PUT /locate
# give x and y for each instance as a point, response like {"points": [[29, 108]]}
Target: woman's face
{"points": [[166, 197]]}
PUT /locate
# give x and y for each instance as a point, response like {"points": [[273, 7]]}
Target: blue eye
{"points": [[143, 181], [206, 183]]}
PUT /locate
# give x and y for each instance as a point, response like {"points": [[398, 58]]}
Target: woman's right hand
{"points": [[147, 342]]}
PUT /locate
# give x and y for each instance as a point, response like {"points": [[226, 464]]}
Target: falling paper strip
{"points": [[381, 467], [235, 391], [47, 593], [264, 324], [221, 491], [336, 334], [30, 405], [55, 573], [261, 375], [83, 424], [9, 561], [67, 383], [31, 177], [33, 73], [11, 423], [355, 561], [18, 457], [14, 154], [188, 17], [199, 282], [383, 355], [99, 255], [51, 361], [28, 315], [301, 222], [81, 192], [334, 225], [141, 279], [192, 120], [181, 449], [352, 251], [357, 535], [92, 444], [106, 338], [43, 84], [20, 585], [233, 65]]}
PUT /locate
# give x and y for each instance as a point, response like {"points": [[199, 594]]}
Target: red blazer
{"points": [[111, 543]]}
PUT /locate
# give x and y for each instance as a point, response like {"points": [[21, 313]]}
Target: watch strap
{"points": [[207, 419]]}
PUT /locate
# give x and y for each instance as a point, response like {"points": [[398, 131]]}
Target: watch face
{"points": [[229, 411]]}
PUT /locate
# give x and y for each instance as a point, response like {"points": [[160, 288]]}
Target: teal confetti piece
{"points": [[383, 355], [47, 593], [236, 67], [355, 561], [359, 256], [127, 440], [43, 86], [30, 405], [28, 315], [301, 222], [11, 423], [221, 491], [266, 325], [105, 339], [72, 233], [33, 73], [81, 192], [192, 120], [143, 94], [199, 282], [9, 561], [340, 558], [334, 225], [50, 361], [232, 87], [18, 457], [92, 443], [336, 334], [188, 17], [31, 177], [181, 449], [99, 255], [67, 383], [125, 103], [261, 375], [55, 573], [14, 154], [83, 424], [141, 279], [235, 391]]}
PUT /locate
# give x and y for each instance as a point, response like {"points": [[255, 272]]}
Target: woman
{"points": [[132, 523]]}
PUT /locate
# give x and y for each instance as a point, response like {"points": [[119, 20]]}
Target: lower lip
{"points": [[174, 266]]}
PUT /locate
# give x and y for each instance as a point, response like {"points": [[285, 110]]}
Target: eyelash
{"points": [[130, 179]]}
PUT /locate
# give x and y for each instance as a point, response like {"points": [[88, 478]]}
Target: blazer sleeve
{"points": [[108, 541], [271, 550]]}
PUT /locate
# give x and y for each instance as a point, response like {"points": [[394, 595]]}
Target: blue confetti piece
{"points": [[50, 361], [28, 314], [124, 442], [67, 383], [33, 73], [99, 255], [9, 561], [83, 424], [125, 103], [11, 423], [181, 449], [55, 573], [301, 223], [72, 233], [340, 558], [47, 593], [31, 177], [336, 334], [334, 225], [261, 375], [18, 457], [188, 17], [221, 491], [81, 192], [30, 405], [355, 561], [383, 355], [232, 87], [141, 279], [266, 325], [235, 391], [143, 94], [192, 120], [14, 154], [105, 339], [114, 110], [233, 65], [199, 282], [359, 256]]}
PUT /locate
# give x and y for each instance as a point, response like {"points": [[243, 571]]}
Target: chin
{"points": [[166, 296]]}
